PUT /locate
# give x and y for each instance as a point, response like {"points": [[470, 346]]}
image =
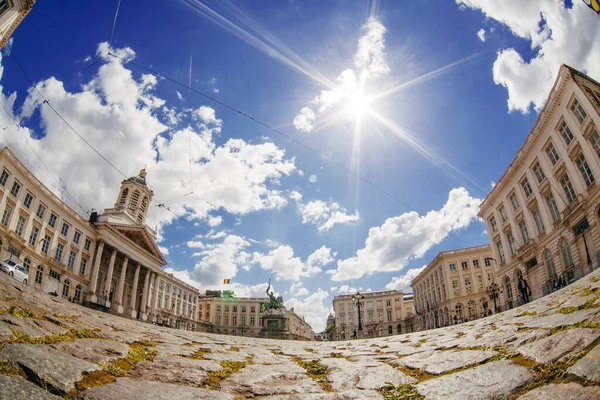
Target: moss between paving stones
{"points": [[19, 312], [316, 371], [8, 368], [401, 392], [63, 337], [214, 379]]}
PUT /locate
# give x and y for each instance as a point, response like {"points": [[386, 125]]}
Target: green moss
{"points": [[139, 353], [316, 371], [113, 370], [336, 355], [198, 354], [527, 313], [568, 310], [18, 312], [8, 368], [214, 379], [401, 392], [146, 343], [460, 334]]}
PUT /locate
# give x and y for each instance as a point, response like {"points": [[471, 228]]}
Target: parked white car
{"points": [[15, 270]]}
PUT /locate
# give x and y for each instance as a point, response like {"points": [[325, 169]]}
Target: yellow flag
{"points": [[226, 281]]}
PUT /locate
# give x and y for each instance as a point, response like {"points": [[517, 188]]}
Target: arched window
{"points": [[399, 328], [133, 202], [565, 250], [390, 330], [550, 263], [123, 198], [66, 285], [39, 274], [143, 208], [27, 263], [77, 296], [509, 293], [459, 311]]}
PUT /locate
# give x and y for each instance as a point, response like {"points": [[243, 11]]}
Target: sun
{"points": [[358, 103]]}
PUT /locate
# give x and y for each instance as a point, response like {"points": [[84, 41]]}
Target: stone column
{"points": [[144, 305], [95, 271], [121, 286], [108, 281], [136, 276], [155, 280]]}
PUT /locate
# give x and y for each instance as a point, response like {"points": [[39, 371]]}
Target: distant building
{"points": [[453, 287], [298, 328], [384, 313], [12, 13], [110, 262], [542, 216]]}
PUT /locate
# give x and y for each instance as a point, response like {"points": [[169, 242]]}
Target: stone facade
{"points": [[542, 216], [384, 313], [110, 262], [298, 327], [453, 287], [12, 13]]}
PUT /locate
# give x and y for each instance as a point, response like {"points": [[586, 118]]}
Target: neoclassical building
{"points": [[453, 287], [230, 315], [110, 262], [12, 13], [542, 216], [383, 313]]}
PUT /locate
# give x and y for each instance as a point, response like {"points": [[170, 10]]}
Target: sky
{"points": [[327, 146]]}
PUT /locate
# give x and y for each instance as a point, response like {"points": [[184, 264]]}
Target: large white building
{"points": [[110, 262], [383, 313], [542, 216], [12, 13]]}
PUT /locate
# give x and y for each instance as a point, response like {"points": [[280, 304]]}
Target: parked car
{"points": [[15, 270]]}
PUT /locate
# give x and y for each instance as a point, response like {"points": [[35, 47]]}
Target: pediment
{"points": [[140, 236]]}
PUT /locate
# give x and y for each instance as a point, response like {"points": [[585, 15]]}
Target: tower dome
{"points": [[134, 197]]}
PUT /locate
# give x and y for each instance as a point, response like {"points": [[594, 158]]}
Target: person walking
{"points": [[524, 289]]}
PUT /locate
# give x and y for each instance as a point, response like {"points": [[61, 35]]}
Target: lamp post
{"points": [[358, 300], [493, 291]]}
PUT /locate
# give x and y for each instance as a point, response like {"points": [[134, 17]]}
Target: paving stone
{"points": [[270, 379], [204, 365], [93, 350], [14, 388], [377, 377], [125, 388], [495, 380], [5, 332], [23, 326], [225, 356], [557, 320], [46, 364], [347, 395], [588, 367], [168, 373], [568, 391], [437, 362], [559, 345]]}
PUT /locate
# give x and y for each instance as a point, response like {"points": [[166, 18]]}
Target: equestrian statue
{"points": [[274, 305]]}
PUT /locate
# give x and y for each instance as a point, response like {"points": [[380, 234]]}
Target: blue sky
{"points": [[254, 205]]}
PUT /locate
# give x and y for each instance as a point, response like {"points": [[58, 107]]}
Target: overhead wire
{"points": [[189, 100]]}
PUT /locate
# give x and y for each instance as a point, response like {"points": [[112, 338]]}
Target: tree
{"points": [[330, 330]]}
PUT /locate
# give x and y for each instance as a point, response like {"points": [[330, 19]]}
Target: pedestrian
{"points": [[524, 289], [354, 336]]}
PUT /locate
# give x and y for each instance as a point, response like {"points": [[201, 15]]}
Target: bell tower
{"points": [[134, 197]]}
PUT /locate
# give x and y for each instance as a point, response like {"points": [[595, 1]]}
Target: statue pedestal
{"points": [[274, 327]]}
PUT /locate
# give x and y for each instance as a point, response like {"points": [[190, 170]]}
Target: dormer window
{"points": [[578, 111]]}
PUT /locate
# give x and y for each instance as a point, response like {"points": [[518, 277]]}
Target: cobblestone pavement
{"points": [[50, 348]]}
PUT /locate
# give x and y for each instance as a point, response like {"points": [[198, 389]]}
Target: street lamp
{"points": [[493, 291], [358, 300]]}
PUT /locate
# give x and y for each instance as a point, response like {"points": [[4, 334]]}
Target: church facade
{"points": [[109, 262]]}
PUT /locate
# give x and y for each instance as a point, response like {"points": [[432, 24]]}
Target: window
{"points": [[20, 225], [553, 207], [468, 285], [6, 215], [550, 263], [65, 229], [4, 177], [552, 154], [389, 315], [526, 187], [234, 308], [253, 309], [252, 321], [514, 202], [464, 265], [487, 261], [524, 232], [595, 140], [509, 293], [565, 182], [492, 222], [39, 274], [226, 308], [71, 262], [15, 189], [565, 133], [500, 251], [46, 244], [65, 291], [82, 266], [585, 170], [480, 280], [76, 237], [28, 200], [565, 250], [59, 251], [243, 309], [52, 220], [512, 243], [41, 210], [234, 320], [502, 212], [218, 321], [77, 296], [452, 267], [87, 244], [578, 111], [595, 98], [539, 223], [455, 285], [538, 172], [475, 263]]}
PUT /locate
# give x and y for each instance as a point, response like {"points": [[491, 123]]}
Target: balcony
{"points": [[571, 207]]}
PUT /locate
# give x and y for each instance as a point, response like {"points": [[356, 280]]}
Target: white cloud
{"points": [[403, 282], [346, 289], [282, 262], [120, 115], [312, 308], [556, 34], [391, 246], [369, 63], [163, 250], [215, 91], [325, 215], [219, 261], [179, 96], [492, 184], [312, 179], [481, 34], [214, 220]]}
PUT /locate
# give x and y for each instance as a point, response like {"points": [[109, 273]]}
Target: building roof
{"points": [[140, 178]]}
